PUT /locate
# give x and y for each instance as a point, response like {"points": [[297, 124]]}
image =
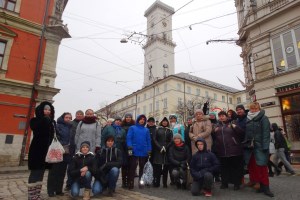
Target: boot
{"points": [[165, 180], [124, 182], [32, 191], [130, 185], [266, 190], [87, 194], [38, 190]]}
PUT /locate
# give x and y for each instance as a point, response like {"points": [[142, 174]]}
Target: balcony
{"points": [[275, 5]]}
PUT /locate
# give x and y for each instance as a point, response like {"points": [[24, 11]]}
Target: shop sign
{"points": [[288, 88], [271, 103]]}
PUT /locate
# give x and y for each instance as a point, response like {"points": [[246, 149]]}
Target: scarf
{"points": [[89, 120], [179, 145], [117, 129], [251, 115]]}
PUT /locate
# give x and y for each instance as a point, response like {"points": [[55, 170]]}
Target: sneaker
{"points": [[293, 173], [207, 193]]}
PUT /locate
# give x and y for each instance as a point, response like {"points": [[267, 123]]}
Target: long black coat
{"points": [[162, 137], [43, 133]]}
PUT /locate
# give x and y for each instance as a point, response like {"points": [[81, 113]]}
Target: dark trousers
{"points": [[56, 177], [125, 173], [159, 170], [36, 176], [178, 175], [232, 169], [133, 163], [205, 183]]}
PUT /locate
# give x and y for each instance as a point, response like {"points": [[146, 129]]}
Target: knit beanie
{"points": [[151, 119], [85, 143], [128, 115], [240, 106], [177, 136], [47, 107], [198, 111]]}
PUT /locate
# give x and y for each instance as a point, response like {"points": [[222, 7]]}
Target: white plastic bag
{"points": [[147, 177], [55, 152]]}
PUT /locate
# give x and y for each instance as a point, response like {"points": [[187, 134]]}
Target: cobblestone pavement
{"points": [[14, 186]]}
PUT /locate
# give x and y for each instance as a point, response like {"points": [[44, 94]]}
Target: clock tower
{"points": [[159, 48]]}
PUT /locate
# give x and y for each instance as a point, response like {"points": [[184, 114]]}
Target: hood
{"points": [[164, 119], [201, 140], [39, 110], [275, 127], [81, 154], [138, 119]]}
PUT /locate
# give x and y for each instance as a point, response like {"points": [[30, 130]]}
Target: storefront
{"points": [[290, 107]]}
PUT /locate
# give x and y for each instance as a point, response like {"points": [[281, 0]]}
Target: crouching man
{"points": [[107, 167], [80, 171], [203, 165]]}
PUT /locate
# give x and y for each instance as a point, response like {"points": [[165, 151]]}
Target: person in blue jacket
{"points": [[139, 148], [203, 165], [176, 127]]}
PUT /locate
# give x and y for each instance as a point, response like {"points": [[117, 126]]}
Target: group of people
{"points": [[205, 149]]}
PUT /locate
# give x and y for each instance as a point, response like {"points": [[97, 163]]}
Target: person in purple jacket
{"points": [[139, 148]]}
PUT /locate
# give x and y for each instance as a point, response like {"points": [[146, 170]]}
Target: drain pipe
{"points": [[35, 83]]}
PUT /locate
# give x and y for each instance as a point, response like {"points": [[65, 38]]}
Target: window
{"points": [[126, 103], [132, 101], [188, 90], [150, 107], [2, 50], [8, 4], [215, 96], [145, 96], [179, 101], [139, 99], [157, 90], [178, 86], [206, 94], [238, 100], [198, 92], [223, 98], [138, 111], [165, 103], [157, 105], [286, 51], [151, 93], [145, 110], [230, 100], [165, 87]]}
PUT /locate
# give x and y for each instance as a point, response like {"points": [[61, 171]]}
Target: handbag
{"points": [[55, 151], [147, 177], [189, 178]]}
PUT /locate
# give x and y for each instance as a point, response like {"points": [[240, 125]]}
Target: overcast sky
{"points": [[93, 67]]}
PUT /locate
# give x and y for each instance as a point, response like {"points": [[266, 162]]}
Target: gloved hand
{"points": [[163, 150], [149, 153], [183, 165], [97, 150], [130, 152]]}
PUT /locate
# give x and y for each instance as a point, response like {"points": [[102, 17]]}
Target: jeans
{"points": [[111, 177], [81, 182], [281, 155], [36, 176], [204, 183]]}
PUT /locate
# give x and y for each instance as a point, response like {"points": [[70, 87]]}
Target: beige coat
{"points": [[201, 129]]}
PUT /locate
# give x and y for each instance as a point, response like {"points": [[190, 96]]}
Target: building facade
{"points": [[177, 94], [30, 34], [269, 34]]}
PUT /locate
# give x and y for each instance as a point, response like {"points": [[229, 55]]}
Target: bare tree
{"points": [[188, 108], [106, 111]]}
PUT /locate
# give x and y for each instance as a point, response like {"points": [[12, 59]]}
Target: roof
{"points": [[161, 5], [206, 82]]}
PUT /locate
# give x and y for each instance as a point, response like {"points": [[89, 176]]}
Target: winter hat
{"points": [[240, 106], [177, 136], [85, 143], [128, 115], [151, 119], [47, 107], [198, 111], [118, 118], [173, 116], [189, 117], [79, 112]]}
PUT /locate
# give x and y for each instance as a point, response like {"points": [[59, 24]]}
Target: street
{"points": [[13, 186]]}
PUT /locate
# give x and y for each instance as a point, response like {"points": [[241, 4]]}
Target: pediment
{"points": [[6, 31]]}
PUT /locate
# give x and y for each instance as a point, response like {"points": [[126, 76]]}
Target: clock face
{"points": [[164, 24]]}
